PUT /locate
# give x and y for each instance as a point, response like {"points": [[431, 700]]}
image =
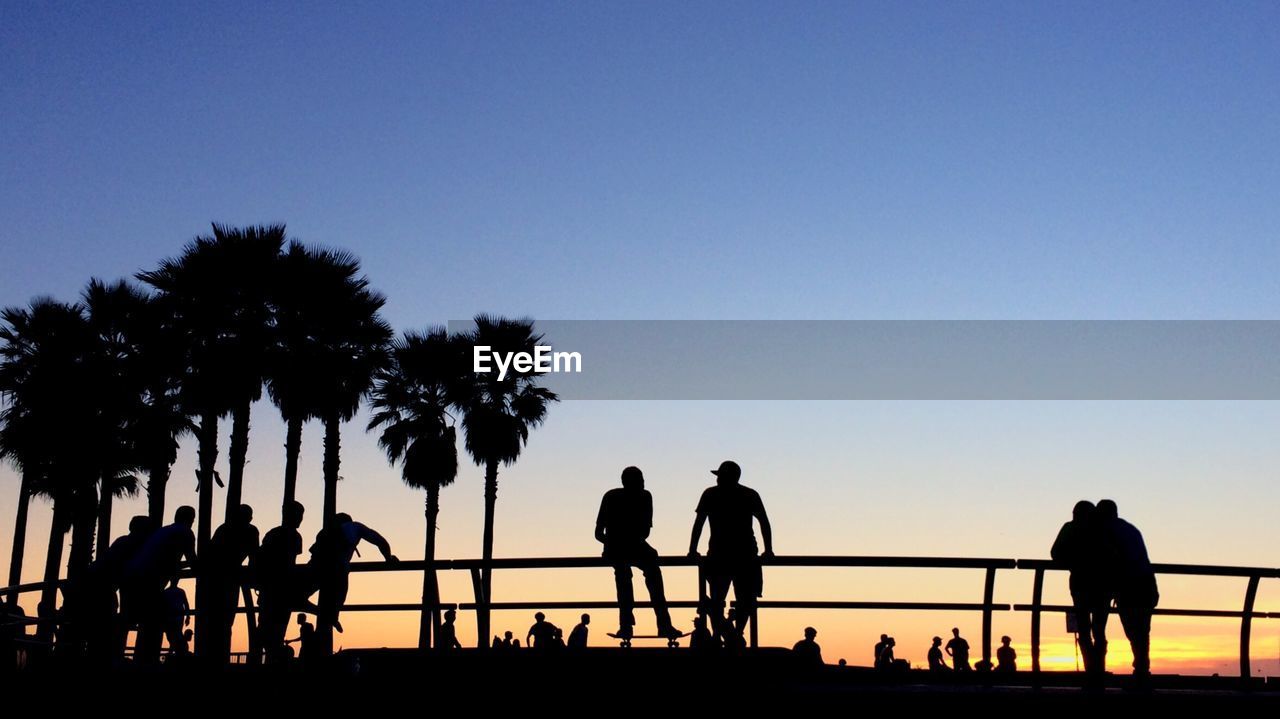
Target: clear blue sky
{"points": [[665, 160], [706, 160]]}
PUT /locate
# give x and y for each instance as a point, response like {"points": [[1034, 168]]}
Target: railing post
{"points": [[988, 596], [1037, 595], [482, 604], [755, 630], [1246, 625]]}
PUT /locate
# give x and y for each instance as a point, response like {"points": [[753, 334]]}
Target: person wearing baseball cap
{"points": [[732, 554]]}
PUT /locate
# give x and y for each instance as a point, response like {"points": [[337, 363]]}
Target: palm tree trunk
{"points": [[104, 515], [332, 443], [207, 455], [292, 449], [239, 450], [20, 529], [157, 483], [486, 571], [52, 570], [430, 621], [82, 533]]}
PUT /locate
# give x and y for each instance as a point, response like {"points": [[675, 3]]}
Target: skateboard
{"points": [[672, 641]]}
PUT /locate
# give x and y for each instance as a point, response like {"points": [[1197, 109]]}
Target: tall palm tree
{"points": [[47, 377], [217, 291], [411, 399], [498, 415]]}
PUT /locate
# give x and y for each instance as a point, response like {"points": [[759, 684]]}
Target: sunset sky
{"points": [[870, 160]]}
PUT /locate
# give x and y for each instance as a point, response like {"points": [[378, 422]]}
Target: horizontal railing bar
{"points": [[1204, 570], [1224, 613]]}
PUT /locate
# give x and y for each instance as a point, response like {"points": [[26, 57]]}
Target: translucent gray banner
{"points": [[915, 360]]}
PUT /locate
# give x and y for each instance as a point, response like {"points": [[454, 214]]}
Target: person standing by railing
{"points": [[732, 553], [1078, 548], [1131, 582]]}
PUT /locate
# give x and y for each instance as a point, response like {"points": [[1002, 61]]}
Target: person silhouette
{"points": [[176, 618], [232, 543], [330, 568], [13, 632], [732, 554], [879, 647], [622, 526], [700, 638], [729, 634], [886, 660], [578, 636], [1006, 657], [936, 662], [447, 638], [958, 650], [807, 649], [275, 571], [308, 650], [1078, 547], [542, 635], [1130, 581], [153, 568]]}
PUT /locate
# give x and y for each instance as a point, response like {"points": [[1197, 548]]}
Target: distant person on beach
{"points": [[1078, 547], [958, 650], [807, 649], [307, 650], [879, 647], [542, 635], [886, 659], [732, 553], [1130, 581], [936, 662], [729, 635], [222, 569], [1006, 657], [276, 574], [700, 638], [622, 526], [176, 618], [13, 630], [578, 637], [153, 568], [330, 564], [447, 639]]}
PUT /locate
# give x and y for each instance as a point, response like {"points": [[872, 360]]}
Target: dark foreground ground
{"points": [[607, 682]]}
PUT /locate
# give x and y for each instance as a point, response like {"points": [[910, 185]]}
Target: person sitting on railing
{"points": [[330, 564], [275, 571], [622, 526], [234, 542], [732, 553], [1130, 581], [936, 663]]}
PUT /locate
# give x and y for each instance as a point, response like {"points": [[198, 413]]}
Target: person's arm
{"points": [[1058, 552], [377, 540], [697, 533], [600, 533], [528, 636], [766, 531], [648, 513]]}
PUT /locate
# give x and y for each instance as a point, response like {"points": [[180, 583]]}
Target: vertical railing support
{"points": [[988, 596], [1246, 625], [1037, 596], [482, 604]]}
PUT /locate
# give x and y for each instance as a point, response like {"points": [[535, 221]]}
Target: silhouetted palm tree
{"points": [[411, 399], [497, 417], [217, 291]]}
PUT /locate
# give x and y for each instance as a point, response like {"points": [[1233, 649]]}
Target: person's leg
{"points": [[1101, 612], [657, 592], [626, 598], [1084, 631], [718, 591], [746, 590]]}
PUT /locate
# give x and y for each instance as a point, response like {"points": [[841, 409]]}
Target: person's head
{"points": [[185, 515], [1083, 511], [632, 478], [937, 641], [728, 473], [507, 636], [302, 618], [890, 642], [955, 632], [699, 621], [244, 514], [1005, 640], [342, 518], [141, 524], [450, 615], [586, 618], [291, 515], [810, 633], [1107, 509], [539, 617], [884, 637]]}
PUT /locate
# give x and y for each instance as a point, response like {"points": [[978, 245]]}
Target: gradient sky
{"points": [[711, 161]]}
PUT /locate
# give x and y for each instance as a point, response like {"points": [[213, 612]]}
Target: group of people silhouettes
{"points": [[134, 584], [1108, 562]]}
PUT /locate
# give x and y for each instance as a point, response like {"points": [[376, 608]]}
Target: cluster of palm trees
{"points": [[98, 393]]}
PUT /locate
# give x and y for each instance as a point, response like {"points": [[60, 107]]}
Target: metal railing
{"points": [[986, 607]]}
